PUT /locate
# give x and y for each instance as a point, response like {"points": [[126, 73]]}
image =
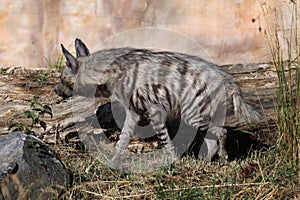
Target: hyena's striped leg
{"points": [[127, 131], [158, 117], [221, 134]]}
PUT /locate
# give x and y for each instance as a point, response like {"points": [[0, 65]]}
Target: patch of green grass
{"points": [[42, 79], [57, 64], [35, 112]]}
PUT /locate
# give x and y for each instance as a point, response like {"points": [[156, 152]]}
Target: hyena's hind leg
{"points": [[158, 117], [221, 135], [215, 139], [129, 125]]}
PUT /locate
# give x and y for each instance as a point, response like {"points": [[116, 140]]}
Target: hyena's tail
{"points": [[244, 112]]}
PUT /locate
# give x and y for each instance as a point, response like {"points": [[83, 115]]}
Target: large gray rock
{"points": [[29, 169]]}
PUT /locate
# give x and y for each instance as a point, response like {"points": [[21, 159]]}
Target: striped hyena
{"points": [[157, 86]]}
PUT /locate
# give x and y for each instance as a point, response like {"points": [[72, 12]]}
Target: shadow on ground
{"points": [[240, 143]]}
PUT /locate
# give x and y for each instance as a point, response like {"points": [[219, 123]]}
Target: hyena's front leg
{"points": [[127, 131], [158, 117]]}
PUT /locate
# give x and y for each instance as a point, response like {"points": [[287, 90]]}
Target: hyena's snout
{"points": [[63, 91]]}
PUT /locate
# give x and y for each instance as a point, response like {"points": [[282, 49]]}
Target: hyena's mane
{"points": [[98, 73]]}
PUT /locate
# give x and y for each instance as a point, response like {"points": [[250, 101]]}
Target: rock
{"points": [[29, 169]]}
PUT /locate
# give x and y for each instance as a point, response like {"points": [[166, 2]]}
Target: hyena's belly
{"points": [[149, 95], [196, 108]]}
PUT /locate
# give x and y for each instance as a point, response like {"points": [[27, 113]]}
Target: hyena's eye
{"points": [[66, 83], [62, 80]]}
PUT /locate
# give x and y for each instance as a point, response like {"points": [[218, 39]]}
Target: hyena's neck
{"points": [[115, 72]]}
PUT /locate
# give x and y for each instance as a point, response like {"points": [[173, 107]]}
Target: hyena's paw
{"points": [[212, 149], [117, 161], [119, 165], [222, 153]]}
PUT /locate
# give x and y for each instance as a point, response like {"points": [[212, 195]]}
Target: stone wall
{"points": [[228, 31]]}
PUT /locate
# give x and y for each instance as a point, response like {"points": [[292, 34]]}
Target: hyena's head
{"points": [[65, 87]]}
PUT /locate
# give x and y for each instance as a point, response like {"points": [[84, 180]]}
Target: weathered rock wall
{"points": [[229, 31]]}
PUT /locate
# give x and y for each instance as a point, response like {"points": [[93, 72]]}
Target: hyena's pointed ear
{"points": [[72, 62], [81, 49]]}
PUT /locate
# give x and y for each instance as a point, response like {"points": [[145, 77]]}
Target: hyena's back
{"points": [[186, 86]]}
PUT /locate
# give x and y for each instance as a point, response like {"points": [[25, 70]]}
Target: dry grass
{"points": [[284, 42], [260, 176]]}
